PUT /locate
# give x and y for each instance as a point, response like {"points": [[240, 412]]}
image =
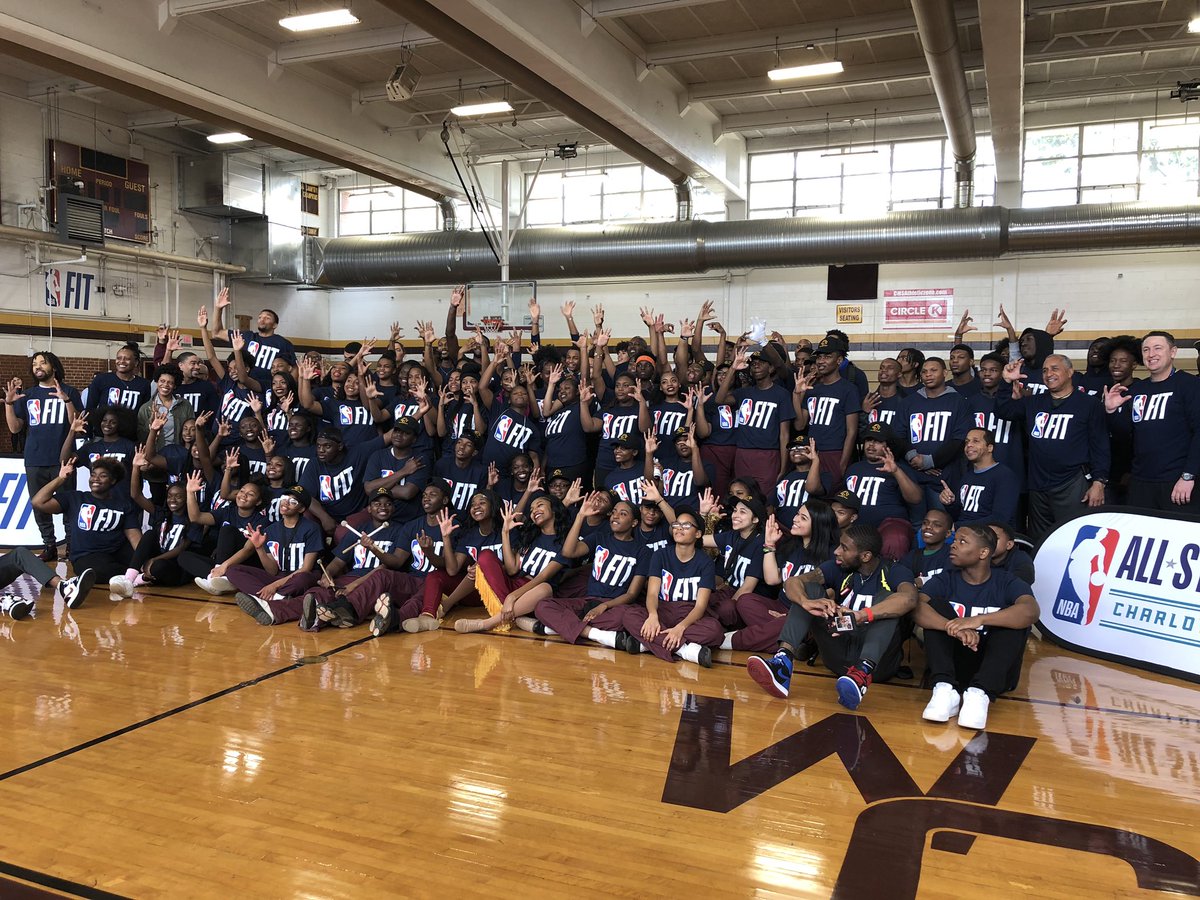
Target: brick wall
{"points": [[79, 371]]}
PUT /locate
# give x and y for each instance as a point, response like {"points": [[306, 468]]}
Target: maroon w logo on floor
{"points": [[891, 831]]}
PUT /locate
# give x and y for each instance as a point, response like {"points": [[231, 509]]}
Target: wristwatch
{"points": [[1187, 476]]}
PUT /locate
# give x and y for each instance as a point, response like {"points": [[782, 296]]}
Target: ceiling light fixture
{"points": [[1194, 25], [330, 18], [229, 137], [786, 73], [482, 109]]}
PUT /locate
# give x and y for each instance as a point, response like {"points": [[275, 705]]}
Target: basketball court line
{"points": [[25, 877]]}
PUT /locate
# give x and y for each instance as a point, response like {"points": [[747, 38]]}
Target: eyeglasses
{"points": [[682, 525]]}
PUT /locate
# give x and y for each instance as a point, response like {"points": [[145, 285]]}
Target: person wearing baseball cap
{"points": [[827, 408], [625, 481], [462, 470], [887, 490], [401, 468], [845, 505], [739, 558], [805, 478], [764, 420], [336, 478]]}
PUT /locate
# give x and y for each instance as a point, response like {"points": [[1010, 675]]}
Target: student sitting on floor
{"points": [[21, 561]]}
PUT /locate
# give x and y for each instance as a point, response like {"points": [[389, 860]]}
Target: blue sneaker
{"points": [[773, 674], [852, 687]]}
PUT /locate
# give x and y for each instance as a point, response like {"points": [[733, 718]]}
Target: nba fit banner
{"points": [[70, 290], [1124, 586], [17, 527]]}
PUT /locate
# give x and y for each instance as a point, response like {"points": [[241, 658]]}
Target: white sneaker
{"points": [[974, 710], [216, 586], [15, 606], [121, 586], [75, 590], [943, 705]]}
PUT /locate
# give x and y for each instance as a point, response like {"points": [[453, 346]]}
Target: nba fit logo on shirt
{"points": [[263, 354], [756, 413], [508, 431], [50, 411], [612, 569], [866, 488], [929, 427], [1150, 407], [94, 518], [1051, 426], [679, 590], [821, 410]]}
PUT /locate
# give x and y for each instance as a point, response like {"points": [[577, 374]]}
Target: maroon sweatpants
{"points": [[721, 604], [438, 583], [707, 631], [762, 629], [721, 458], [897, 535], [565, 616], [761, 465], [405, 587], [831, 463], [251, 580], [491, 567]]}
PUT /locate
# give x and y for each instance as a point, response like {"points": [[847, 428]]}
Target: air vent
{"points": [[80, 220]]}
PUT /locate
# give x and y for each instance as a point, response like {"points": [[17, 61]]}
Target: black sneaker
{"points": [[633, 643], [385, 616], [308, 613], [622, 641], [773, 673], [15, 606], [339, 612], [75, 590], [539, 628], [704, 658], [256, 608]]}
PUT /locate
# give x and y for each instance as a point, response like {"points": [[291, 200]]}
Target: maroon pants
{"points": [[762, 629], [760, 465], [722, 605], [721, 459], [251, 580], [564, 615], [405, 587], [897, 535], [831, 462], [707, 631], [438, 583], [491, 567]]}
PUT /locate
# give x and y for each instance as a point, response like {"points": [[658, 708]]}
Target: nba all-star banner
{"points": [[17, 527], [1125, 586]]}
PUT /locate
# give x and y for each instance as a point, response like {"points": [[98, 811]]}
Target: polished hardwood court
{"points": [[167, 746]]}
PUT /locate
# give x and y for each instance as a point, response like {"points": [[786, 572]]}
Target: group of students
{"points": [[632, 494]]}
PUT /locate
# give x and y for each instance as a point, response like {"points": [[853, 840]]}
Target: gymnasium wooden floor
{"points": [[167, 746]]}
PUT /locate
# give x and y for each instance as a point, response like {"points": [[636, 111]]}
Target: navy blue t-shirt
{"points": [[174, 530], [1065, 436], [545, 549], [565, 439], [264, 350], [357, 558], [953, 597], [760, 412], [828, 405], [1165, 419], [855, 592], [721, 419], [122, 450], [229, 517], [301, 457], [615, 563], [107, 389], [201, 396], [233, 405], [352, 417], [667, 417], [510, 434], [885, 411], [921, 562], [461, 420], [464, 482], [627, 483], [384, 463], [930, 423], [407, 405], [339, 487], [878, 492], [682, 581], [288, 546], [1010, 441], [46, 423], [475, 542], [679, 481], [407, 539], [987, 496], [741, 557], [615, 422], [97, 525], [655, 538]]}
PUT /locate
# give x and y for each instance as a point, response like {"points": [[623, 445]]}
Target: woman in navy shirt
{"points": [[675, 622], [233, 523], [171, 532]]}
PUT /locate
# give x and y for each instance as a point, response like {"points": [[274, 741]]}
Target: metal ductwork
{"points": [[449, 214], [676, 248], [683, 201], [938, 30]]}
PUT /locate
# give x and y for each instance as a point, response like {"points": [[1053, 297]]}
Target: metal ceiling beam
{"points": [[607, 9], [1002, 29], [191, 7], [884, 110], [428, 85], [375, 40]]}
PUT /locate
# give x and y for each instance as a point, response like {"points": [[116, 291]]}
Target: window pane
{"points": [[1051, 174], [917, 185], [820, 212], [1115, 137], [387, 221], [546, 185], [815, 164], [354, 200], [900, 206], [1168, 192], [652, 181], [1048, 198], [865, 162], [544, 212], [623, 178], [1110, 195], [622, 206], [1169, 167], [413, 200], [771, 213], [1052, 143], [772, 166], [864, 195], [985, 153], [772, 194], [658, 205], [354, 223], [917, 155], [819, 192], [420, 220], [583, 209], [387, 198], [1105, 170], [1171, 135]]}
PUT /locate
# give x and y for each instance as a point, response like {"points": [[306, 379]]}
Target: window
{"points": [[383, 209], [610, 195], [1113, 162], [863, 181]]}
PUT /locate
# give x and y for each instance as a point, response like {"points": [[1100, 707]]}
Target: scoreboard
{"points": [[122, 184]]}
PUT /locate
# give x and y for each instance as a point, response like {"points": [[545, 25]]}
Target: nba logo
{"points": [[745, 411], [34, 409], [114, 396], [598, 562], [1039, 424], [346, 415], [959, 609], [781, 492], [1086, 574], [874, 416], [87, 513], [253, 348], [1139, 407], [668, 582], [980, 420], [418, 555], [273, 550], [326, 487], [502, 428], [362, 558], [812, 407], [852, 483], [725, 416], [916, 427]]}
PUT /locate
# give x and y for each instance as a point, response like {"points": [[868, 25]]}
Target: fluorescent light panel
{"points": [[330, 18], [228, 137], [482, 109], [1194, 25], [825, 68]]}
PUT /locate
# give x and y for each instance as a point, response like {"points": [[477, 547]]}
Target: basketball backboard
{"points": [[499, 305]]}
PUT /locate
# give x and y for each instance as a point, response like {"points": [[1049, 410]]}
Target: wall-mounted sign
{"points": [[122, 184], [310, 231], [70, 290], [918, 309], [849, 313], [310, 199]]}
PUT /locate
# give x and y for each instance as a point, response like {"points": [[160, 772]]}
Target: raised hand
{"points": [[568, 309], [67, 469], [651, 442], [772, 533], [194, 482], [1058, 321], [687, 328], [586, 393], [446, 523], [140, 460], [706, 311], [537, 480], [715, 326], [256, 536], [79, 423], [237, 341], [225, 429], [493, 475], [947, 494], [740, 361], [594, 503], [887, 465], [222, 300], [598, 315], [650, 491], [173, 342], [458, 296], [964, 325], [202, 317], [535, 311], [556, 373], [1115, 397], [603, 336], [232, 457], [268, 444], [708, 502], [256, 404], [647, 315], [161, 333], [14, 391], [158, 420], [871, 402], [204, 418], [1013, 373], [1004, 322], [510, 516]]}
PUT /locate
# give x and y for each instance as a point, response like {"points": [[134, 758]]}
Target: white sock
{"points": [[600, 636], [549, 630], [727, 644], [690, 652], [131, 574]]}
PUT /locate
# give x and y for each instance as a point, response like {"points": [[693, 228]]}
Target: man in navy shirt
{"points": [[1068, 444], [263, 345], [828, 409], [989, 490], [886, 488], [976, 619], [1010, 444], [335, 479], [1164, 417], [44, 411], [763, 420], [935, 420], [853, 605], [883, 403]]}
